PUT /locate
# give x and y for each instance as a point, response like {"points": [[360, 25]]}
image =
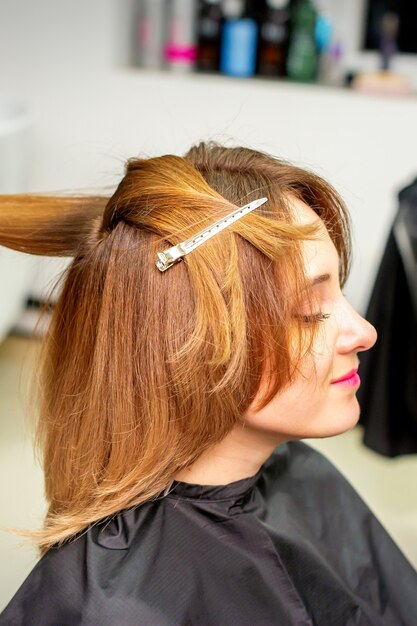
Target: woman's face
{"points": [[316, 404]]}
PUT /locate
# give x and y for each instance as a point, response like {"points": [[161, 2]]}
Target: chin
{"points": [[338, 422], [346, 420]]}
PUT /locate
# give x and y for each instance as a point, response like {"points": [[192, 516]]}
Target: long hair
{"points": [[141, 371]]}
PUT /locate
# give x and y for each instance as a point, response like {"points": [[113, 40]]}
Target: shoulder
{"points": [[58, 592], [96, 578]]}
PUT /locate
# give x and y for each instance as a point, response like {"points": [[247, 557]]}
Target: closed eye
{"points": [[314, 317]]}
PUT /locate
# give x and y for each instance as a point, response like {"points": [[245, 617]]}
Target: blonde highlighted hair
{"points": [[141, 370]]}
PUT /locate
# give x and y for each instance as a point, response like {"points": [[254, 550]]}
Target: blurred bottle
{"points": [[209, 28], [302, 57], [152, 28], [388, 46], [181, 48], [328, 42], [273, 38], [330, 66], [239, 39]]}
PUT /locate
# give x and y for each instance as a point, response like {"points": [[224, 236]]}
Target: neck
{"points": [[238, 455]]}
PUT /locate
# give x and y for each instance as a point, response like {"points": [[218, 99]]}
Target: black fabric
{"points": [[292, 546], [388, 391]]}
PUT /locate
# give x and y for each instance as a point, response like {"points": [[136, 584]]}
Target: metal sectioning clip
{"points": [[168, 257]]}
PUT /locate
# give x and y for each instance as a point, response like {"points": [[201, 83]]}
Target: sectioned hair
{"points": [[142, 371]]}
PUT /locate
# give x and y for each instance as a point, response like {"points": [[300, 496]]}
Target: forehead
{"points": [[303, 214], [320, 254]]}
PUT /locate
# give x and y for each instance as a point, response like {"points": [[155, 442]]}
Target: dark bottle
{"points": [[209, 26], [388, 38], [273, 38], [302, 59]]}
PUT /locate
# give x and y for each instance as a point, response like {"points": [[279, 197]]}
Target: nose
{"points": [[356, 333]]}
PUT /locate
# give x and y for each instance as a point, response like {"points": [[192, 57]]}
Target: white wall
{"points": [[67, 60]]}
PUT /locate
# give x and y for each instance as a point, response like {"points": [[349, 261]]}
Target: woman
{"points": [[176, 384]]}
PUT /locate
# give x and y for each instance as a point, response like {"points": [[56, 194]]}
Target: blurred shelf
{"points": [[256, 81]]}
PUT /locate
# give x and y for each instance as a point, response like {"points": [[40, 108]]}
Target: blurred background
{"points": [[328, 84]]}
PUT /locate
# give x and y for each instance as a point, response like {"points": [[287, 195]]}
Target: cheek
{"points": [[317, 368], [294, 408]]}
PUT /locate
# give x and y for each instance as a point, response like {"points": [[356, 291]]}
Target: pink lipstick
{"points": [[351, 379]]}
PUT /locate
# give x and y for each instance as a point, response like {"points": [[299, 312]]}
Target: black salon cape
{"points": [[293, 545], [388, 391]]}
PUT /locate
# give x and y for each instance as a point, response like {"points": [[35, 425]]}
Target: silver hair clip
{"points": [[170, 256]]}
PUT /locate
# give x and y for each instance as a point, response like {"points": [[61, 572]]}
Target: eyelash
{"points": [[315, 317]]}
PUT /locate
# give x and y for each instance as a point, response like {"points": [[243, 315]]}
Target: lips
{"points": [[350, 378]]}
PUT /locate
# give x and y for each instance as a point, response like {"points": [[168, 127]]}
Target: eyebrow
{"points": [[317, 280]]}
